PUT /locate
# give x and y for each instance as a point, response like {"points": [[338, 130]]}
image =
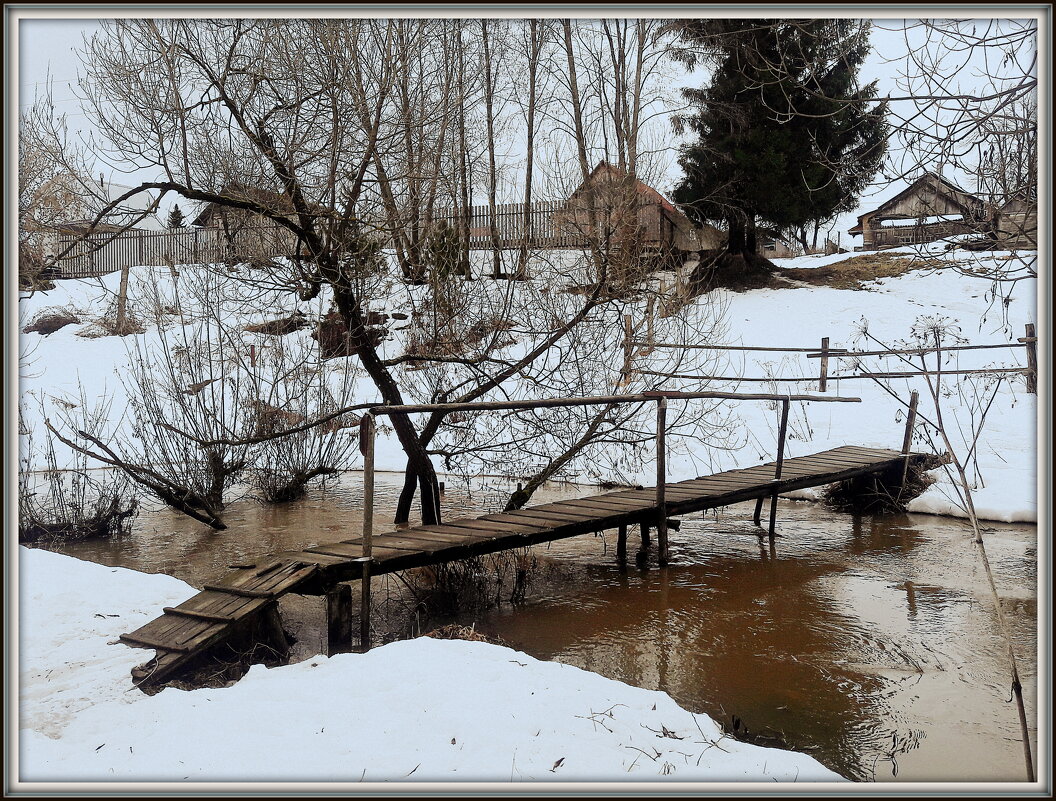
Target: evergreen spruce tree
{"points": [[175, 218], [783, 134]]}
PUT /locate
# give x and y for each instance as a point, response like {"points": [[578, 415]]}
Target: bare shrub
{"points": [[287, 387], [110, 323], [67, 502], [51, 320], [474, 584]]}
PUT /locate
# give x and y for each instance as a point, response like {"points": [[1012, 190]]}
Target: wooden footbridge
{"points": [[245, 600]]}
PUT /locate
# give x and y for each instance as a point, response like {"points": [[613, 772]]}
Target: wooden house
{"points": [[1016, 223], [249, 235], [625, 207], [929, 209], [773, 245]]}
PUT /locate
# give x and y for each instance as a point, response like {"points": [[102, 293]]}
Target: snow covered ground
{"points": [[798, 316], [426, 710], [412, 711]]}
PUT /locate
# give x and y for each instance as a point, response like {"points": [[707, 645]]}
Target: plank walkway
{"points": [[219, 610]]}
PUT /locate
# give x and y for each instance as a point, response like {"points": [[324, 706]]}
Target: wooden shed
{"points": [[248, 234], [929, 209], [1016, 223], [623, 204]]}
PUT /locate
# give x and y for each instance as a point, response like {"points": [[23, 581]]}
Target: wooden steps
{"points": [[238, 599]]}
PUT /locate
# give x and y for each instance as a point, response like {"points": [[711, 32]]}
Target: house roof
{"points": [[236, 191], [609, 172], [961, 198]]}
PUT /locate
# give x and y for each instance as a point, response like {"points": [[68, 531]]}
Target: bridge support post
{"points": [[366, 445], [757, 517], [781, 432], [621, 545], [661, 480], [338, 619]]}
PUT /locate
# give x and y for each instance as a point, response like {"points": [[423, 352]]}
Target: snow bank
{"points": [[1006, 485], [417, 710]]}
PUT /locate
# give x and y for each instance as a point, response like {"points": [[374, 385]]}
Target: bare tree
{"points": [[316, 128]]}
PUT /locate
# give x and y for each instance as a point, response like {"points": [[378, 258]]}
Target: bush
{"points": [[881, 493], [70, 504]]}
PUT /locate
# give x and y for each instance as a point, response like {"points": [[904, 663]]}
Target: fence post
{"points": [[366, 447], [1031, 341], [823, 376], [782, 430], [661, 479]]}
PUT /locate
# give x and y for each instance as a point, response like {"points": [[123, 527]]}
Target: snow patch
{"points": [[416, 710]]}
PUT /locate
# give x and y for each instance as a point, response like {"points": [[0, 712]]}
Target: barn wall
{"points": [[882, 238]]}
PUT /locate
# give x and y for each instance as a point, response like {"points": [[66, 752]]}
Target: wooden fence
{"points": [[99, 254], [548, 225], [825, 354]]}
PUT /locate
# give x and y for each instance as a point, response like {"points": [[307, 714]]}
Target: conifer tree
{"points": [[175, 218], [784, 136]]}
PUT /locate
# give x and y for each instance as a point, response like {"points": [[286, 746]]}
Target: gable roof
{"points": [[268, 198], [611, 173], [966, 201]]}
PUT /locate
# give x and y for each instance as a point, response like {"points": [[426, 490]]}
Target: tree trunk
{"points": [[735, 238], [417, 459], [463, 167], [534, 47], [489, 112]]}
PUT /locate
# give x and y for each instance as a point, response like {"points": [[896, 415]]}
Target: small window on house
{"points": [[769, 246], [905, 240]]}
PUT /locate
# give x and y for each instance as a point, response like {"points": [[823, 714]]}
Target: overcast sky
{"points": [[49, 48]]}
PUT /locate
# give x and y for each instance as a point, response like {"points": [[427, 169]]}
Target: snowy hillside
{"points": [[799, 316]]}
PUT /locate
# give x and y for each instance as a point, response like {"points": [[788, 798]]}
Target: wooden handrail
{"points": [[597, 400]]}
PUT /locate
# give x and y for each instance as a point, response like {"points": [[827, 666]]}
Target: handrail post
{"points": [[907, 440], [782, 430], [661, 479], [367, 430]]}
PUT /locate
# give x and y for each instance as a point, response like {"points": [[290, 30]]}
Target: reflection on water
{"points": [[870, 643]]}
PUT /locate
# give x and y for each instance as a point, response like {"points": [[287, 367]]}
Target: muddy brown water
{"points": [[869, 642]]}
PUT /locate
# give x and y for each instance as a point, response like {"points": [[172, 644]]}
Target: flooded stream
{"points": [[869, 642]]}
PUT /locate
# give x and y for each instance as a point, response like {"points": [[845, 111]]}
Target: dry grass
{"points": [[453, 631], [854, 272]]}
